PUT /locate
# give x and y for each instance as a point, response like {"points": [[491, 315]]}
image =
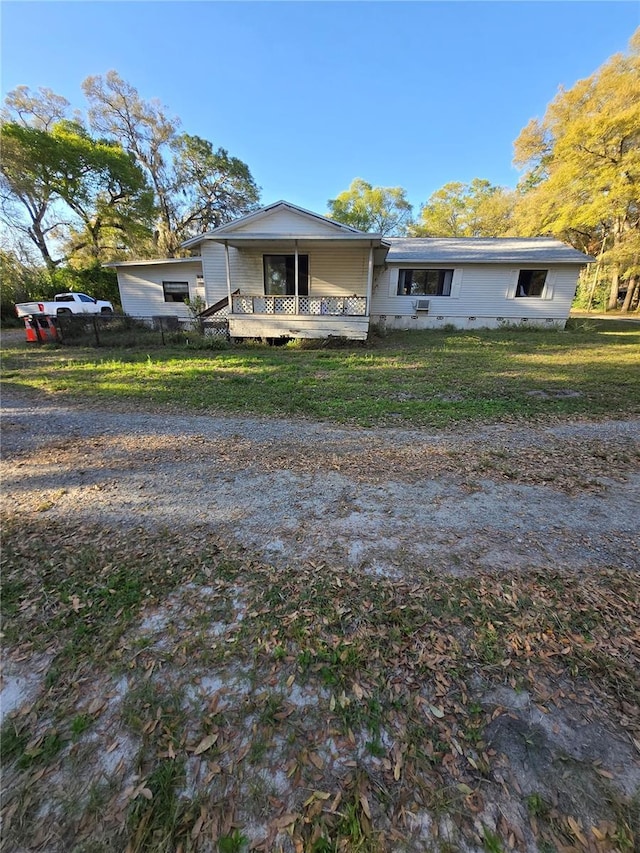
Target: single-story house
{"points": [[286, 272]]}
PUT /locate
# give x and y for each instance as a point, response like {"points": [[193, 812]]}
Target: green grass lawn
{"points": [[427, 379]]}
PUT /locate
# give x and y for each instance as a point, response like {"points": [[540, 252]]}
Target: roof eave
{"points": [[461, 260], [147, 261], [303, 238]]}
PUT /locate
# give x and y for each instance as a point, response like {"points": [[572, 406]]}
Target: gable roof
{"points": [[483, 250], [239, 226]]}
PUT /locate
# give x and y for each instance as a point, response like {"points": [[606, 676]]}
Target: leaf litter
{"points": [[196, 695]]}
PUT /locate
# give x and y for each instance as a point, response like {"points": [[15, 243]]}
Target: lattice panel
{"points": [[355, 305], [333, 305], [242, 304], [284, 304], [262, 305]]}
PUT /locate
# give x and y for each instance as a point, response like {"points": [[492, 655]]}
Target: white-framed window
{"points": [[280, 275], [531, 283], [175, 291], [425, 282]]}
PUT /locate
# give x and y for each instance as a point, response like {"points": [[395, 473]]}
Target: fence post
{"points": [[95, 329], [162, 330]]}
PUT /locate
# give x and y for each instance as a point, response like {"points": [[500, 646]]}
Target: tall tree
{"points": [[194, 185], [381, 210], [67, 192], [582, 167], [478, 209], [209, 187], [141, 127], [108, 193], [41, 110]]}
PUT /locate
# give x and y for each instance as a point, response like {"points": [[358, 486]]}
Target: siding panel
{"points": [[486, 292], [287, 222], [333, 271], [214, 271], [337, 271], [141, 290]]}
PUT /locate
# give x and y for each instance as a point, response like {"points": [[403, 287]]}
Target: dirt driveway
{"points": [[387, 506], [502, 497]]}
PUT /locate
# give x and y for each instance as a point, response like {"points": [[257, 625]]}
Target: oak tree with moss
{"points": [[581, 165], [196, 186]]}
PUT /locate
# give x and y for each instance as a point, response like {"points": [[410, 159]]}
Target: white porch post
{"points": [[228, 269], [295, 266], [370, 280]]}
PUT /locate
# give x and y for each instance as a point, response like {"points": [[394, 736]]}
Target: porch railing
{"points": [[352, 306]]}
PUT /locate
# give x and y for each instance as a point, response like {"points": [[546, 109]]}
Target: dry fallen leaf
{"points": [[205, 744], [397, 769], [285, 821], [365, 805], [577, 830], [314, 758]]}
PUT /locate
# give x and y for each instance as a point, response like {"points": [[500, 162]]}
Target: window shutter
{"points": [[549, 286], [513, 283], [456, 283], [393, 281]]}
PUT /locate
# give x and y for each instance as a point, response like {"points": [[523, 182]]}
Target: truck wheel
{"points": [[106, 311], [63, 311]]}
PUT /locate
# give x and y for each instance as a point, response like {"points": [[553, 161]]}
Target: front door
{"points": [[280, 275]]}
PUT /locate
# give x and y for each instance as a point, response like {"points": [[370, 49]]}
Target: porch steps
{"points": [[217, 306]]}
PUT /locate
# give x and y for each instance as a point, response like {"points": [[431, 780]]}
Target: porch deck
{"points": [[299, 316], [351, 306]]}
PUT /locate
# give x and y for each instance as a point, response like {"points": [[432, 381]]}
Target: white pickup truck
{"points": [[66, 303]]}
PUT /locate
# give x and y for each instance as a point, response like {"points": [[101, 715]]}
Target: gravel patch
{"points": [[504, 496]]}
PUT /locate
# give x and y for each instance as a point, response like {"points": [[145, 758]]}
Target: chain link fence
{"points": [[120, 330]]}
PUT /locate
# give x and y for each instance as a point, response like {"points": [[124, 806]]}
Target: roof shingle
{"points": [[483, 250]]}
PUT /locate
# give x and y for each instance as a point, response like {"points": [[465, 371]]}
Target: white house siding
{"points": [[213, 269], [333, 271], [482, 295], [337, 271], [284, 221], [141, 290], [245, 268]]}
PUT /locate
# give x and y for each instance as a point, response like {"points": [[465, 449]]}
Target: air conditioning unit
{"points": [[422, 305]]}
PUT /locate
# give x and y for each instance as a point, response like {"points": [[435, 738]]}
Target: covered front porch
{"points": [[314, 287], [299, 316]]}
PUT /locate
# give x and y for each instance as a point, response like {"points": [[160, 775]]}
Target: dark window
{"points": [[175, 291], [280, 275], [84, 298], [425, 282], [531, 282]]}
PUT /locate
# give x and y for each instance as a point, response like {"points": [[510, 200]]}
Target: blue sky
{"points": [[311, 95]]}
